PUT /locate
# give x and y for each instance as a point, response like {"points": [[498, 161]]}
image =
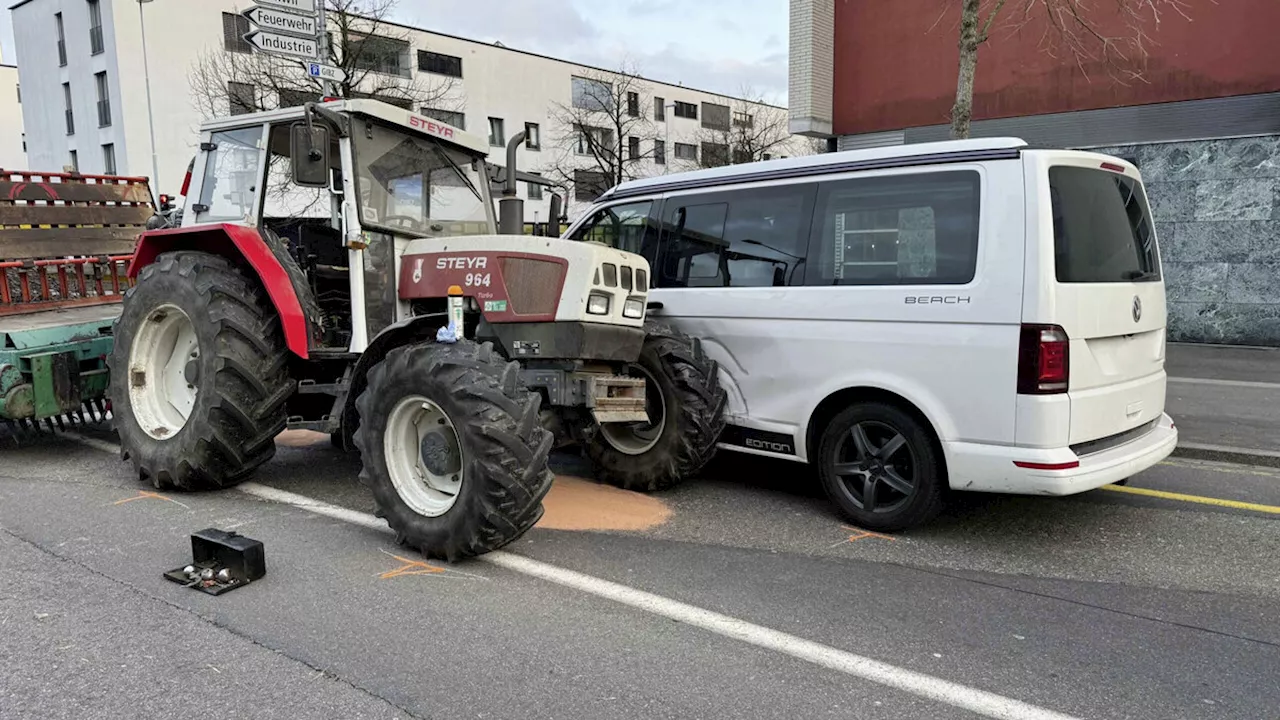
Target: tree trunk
{"points": [[962, 111]]}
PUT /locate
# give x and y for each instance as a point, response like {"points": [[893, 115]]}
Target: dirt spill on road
{"points": [[301, 438], [577, 504]]}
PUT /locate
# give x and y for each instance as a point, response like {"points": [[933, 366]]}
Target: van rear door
{"points": [[1107, 294]]}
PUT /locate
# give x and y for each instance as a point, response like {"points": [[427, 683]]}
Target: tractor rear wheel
{"points": [[685, 404], [199, 373], [453, 448]]}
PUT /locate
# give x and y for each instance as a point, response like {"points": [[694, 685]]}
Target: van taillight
{"points": [[1044, 366]]}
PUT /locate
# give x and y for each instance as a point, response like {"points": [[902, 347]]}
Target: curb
{"points": [[1229, 454]]}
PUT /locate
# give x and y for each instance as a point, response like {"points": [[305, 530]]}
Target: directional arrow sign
{"points": [[325, 72], [285, 22], [299, 6], [286, 45]]}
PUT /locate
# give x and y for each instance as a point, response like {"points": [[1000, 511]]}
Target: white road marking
{"points": [[981, 702], [1225, 383]]}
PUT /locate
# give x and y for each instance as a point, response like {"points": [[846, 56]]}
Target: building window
{"points": [[594, 95], [594, 141], [686, 110], [633, 104], [234, 28], [715, 117], [439, 63], [743, 119], [75, 161], [95, 28], [768, 156], [497, 133], [242, 97], [62, 40], [659, 109], [381, 55], [714, 154], [589, 185], [289, 97], [633, 148], [448, 117], [532, 136], [109, 159], [685, 151], [919, 229], [535, 190], [104, 100], [660, 152], [66, 100]]}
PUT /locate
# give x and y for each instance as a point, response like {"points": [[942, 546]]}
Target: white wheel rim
{"points": [[639, 438], [160, 391], [428, 487]]}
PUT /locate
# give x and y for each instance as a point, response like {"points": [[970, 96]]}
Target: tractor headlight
{"points": [[633, 309], [598, 304]]}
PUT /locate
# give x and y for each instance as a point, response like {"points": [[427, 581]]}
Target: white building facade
{"points": [[82, 72], [13, 151]]}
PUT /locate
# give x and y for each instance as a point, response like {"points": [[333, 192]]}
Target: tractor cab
{"points": [[344, 187]]}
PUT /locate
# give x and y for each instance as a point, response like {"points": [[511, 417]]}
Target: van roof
{"points": [[826, 163]]}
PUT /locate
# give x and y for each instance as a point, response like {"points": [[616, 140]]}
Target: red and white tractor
{"points": [[337, 267]]}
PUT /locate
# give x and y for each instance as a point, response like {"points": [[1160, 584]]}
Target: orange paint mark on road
{"points": [[577, 504], [860, 534], [301, 438], [145, 495], [410, 567]]}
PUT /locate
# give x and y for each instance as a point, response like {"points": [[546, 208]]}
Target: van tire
{"points": [[855, 448], [693, 404]]}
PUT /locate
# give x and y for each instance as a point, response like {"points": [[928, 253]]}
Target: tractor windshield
{"points": [[412, 184]]}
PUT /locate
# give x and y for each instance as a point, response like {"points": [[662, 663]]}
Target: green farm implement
{"points": [[65, 244]]}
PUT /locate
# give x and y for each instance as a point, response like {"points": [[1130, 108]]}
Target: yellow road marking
{"points": [[1235, 504], [859, 534], [410, 567]]}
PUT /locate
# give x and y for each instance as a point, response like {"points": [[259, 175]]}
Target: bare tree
{"points": [[753, 131], [606, 134], [374, 54], [1114, 37]]}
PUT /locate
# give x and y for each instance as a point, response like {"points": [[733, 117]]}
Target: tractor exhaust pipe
{"points": [[553, 217], [510, 206]]}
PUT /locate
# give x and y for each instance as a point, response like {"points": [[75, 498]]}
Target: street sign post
{"points": [[283, 22], [306, 7], [284, 45], [325, 72]]}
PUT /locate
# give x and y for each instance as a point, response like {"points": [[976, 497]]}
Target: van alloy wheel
{"points": [[876, 467]]}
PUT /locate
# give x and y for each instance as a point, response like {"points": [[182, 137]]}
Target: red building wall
{"points": [[896, 63]]}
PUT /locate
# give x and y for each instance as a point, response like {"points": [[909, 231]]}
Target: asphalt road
{"points": [[737, 595], [1224, 398]]}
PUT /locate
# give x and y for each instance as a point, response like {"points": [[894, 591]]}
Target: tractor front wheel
{"points": [[685, 404], [453, 448], [199, 374]]}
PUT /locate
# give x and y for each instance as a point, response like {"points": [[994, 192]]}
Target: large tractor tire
{"points": [[199, 374], [453, 448], [686, 415]]}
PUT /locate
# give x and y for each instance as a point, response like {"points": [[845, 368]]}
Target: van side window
{"points": [[625, 227], [902, 230], [745, 238]]}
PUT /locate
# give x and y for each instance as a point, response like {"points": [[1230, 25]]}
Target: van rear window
{"points": [[1102, 231]]}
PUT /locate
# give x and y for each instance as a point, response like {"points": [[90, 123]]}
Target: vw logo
{"points": [[1137, 308]]}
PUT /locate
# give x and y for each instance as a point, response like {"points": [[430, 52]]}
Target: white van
{"points": [[975, 315]]}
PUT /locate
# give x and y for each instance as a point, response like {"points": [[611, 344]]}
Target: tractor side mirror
{"points": [[309, 148]]}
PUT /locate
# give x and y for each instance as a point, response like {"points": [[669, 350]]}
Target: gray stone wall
{"points": [[1216, 205]]}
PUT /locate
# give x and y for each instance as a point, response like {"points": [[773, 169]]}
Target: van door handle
{"points": [[655, 306]]}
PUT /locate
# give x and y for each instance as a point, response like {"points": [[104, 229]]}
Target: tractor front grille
{"points": [[533, 286]]}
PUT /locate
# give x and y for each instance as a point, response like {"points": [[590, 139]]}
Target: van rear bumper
{"points": [[1055, 471]]}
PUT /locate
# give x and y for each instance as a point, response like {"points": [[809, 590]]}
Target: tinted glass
{"points": [[751, 238], [900, 230], [1102, 230], [625, 227]]}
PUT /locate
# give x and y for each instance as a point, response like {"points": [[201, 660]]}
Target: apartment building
{"points": [[82, 68], [13, 150]]}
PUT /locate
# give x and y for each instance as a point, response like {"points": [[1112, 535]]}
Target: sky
{"points": [[722, 46]]}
